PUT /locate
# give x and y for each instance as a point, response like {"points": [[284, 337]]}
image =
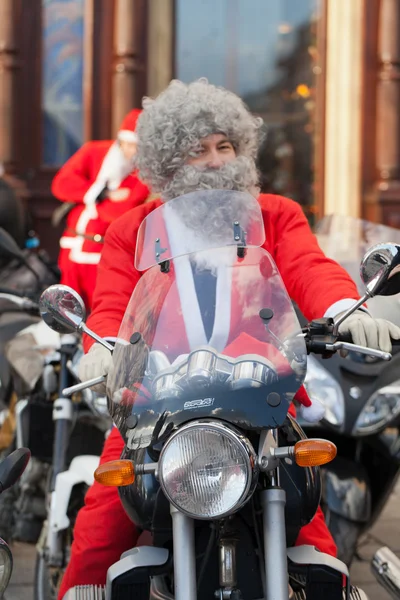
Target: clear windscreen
{"points": [[199, 221], [346, 240], [193, 343]]}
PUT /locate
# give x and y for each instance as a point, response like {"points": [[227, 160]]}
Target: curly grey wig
{"points": [[171, 126]]}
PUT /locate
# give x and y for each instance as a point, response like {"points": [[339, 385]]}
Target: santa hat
{"points": [[171, 126], [114, 168], [126, 132]]}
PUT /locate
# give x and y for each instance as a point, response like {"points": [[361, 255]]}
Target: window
{"points": [[62, 79], [265, 51]]}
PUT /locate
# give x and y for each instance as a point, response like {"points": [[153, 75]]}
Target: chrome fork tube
{"points": [[184, 556], [273, 502]]}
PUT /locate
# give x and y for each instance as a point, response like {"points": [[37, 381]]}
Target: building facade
{"points": [[323, 74]]}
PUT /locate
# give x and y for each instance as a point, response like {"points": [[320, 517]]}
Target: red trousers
{"points": [[81, 277], [103, 531]]}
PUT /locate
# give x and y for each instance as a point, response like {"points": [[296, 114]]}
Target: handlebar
{"points": [[23, 303]]}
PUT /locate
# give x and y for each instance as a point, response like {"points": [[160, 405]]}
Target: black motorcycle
{"points": [[213, 466], [11, 469], [361, 396], [385, 566], [65, 435]]}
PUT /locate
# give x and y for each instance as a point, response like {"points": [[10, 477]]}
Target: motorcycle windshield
{"points": [[198, 221], [192, 344], [346, 240]]}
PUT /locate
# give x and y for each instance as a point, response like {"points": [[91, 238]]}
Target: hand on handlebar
{"points": [[371, 333], [97, 362]]}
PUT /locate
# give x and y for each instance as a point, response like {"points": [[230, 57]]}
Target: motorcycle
{"points": [[361, 396], [23, 276], [11, 469], [65, 434], [213, 465], [385, 565]]}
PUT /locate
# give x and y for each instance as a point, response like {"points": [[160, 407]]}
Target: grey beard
{"points": [[239, 175], [211, 217]]}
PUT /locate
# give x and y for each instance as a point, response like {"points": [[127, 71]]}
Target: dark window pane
{"points": [[62, 88], [264, 50]]}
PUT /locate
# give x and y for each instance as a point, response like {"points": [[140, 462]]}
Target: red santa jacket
{"points": [[72, 183], [317, 284]]}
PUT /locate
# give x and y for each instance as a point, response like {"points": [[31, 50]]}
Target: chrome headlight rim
{"points": [[234, 434], [382, 424]]}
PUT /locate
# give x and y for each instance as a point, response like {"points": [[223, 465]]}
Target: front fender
{"points": [[81, 470], [346, 490]]}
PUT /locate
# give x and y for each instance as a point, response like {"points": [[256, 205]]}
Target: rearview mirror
{"points": [[380, 270], [10, 246], [12, 467], [62, 309]]}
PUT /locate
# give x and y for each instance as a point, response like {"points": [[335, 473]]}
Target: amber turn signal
{"points": [[115, 473], [312, 453]]}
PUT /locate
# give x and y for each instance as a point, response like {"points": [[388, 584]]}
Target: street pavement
{"points": [[386, 532]]}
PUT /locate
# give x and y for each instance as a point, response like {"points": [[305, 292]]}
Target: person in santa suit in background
{"points": [[194, 137], [100, 184]]}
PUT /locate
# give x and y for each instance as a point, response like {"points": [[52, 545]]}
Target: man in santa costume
{"points": [[194, 137], [100, 184]]}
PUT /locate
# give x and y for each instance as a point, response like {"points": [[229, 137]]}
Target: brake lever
{"points": [[361, 349], [82, 386]]}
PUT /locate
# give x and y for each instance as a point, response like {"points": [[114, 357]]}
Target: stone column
{"points": [[129, 64], [160, 45], [342, 185], [388, 95], [9, 65]]}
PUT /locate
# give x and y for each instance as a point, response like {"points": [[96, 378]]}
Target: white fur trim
{"points": [[342, 306], [84, 258], [188, 297], [126, 135], [114, 169], [313, 413], [69, 242]]}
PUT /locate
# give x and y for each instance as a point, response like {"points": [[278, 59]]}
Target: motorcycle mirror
{"points": [[380, 270], [62, 309], [12, 467], [9, 245]]}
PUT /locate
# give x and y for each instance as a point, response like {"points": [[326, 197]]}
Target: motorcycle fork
{"points": [[62, 418], [273, 501], [184, 556]]}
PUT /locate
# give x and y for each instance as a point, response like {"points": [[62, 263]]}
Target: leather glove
{"points": [[369, 332], [98, 361]]}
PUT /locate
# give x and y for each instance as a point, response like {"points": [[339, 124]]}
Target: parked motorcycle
{"points": [[212, 465], [76, 430], [362, 400], [23, 276], [385, 566], [11, 469]]}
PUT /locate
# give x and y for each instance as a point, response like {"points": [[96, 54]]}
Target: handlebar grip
{"points": [[346, 337]]}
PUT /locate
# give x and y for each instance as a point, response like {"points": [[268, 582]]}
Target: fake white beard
{"points": [[115, 167], [239, 175]]}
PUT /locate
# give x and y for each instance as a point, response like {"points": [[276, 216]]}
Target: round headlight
{"points": [[320, 384], [207, 469], [381, 409]]}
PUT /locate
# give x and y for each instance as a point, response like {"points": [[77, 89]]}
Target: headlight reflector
{"points": [[320, 384], [381, 408], [207, 469]]}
